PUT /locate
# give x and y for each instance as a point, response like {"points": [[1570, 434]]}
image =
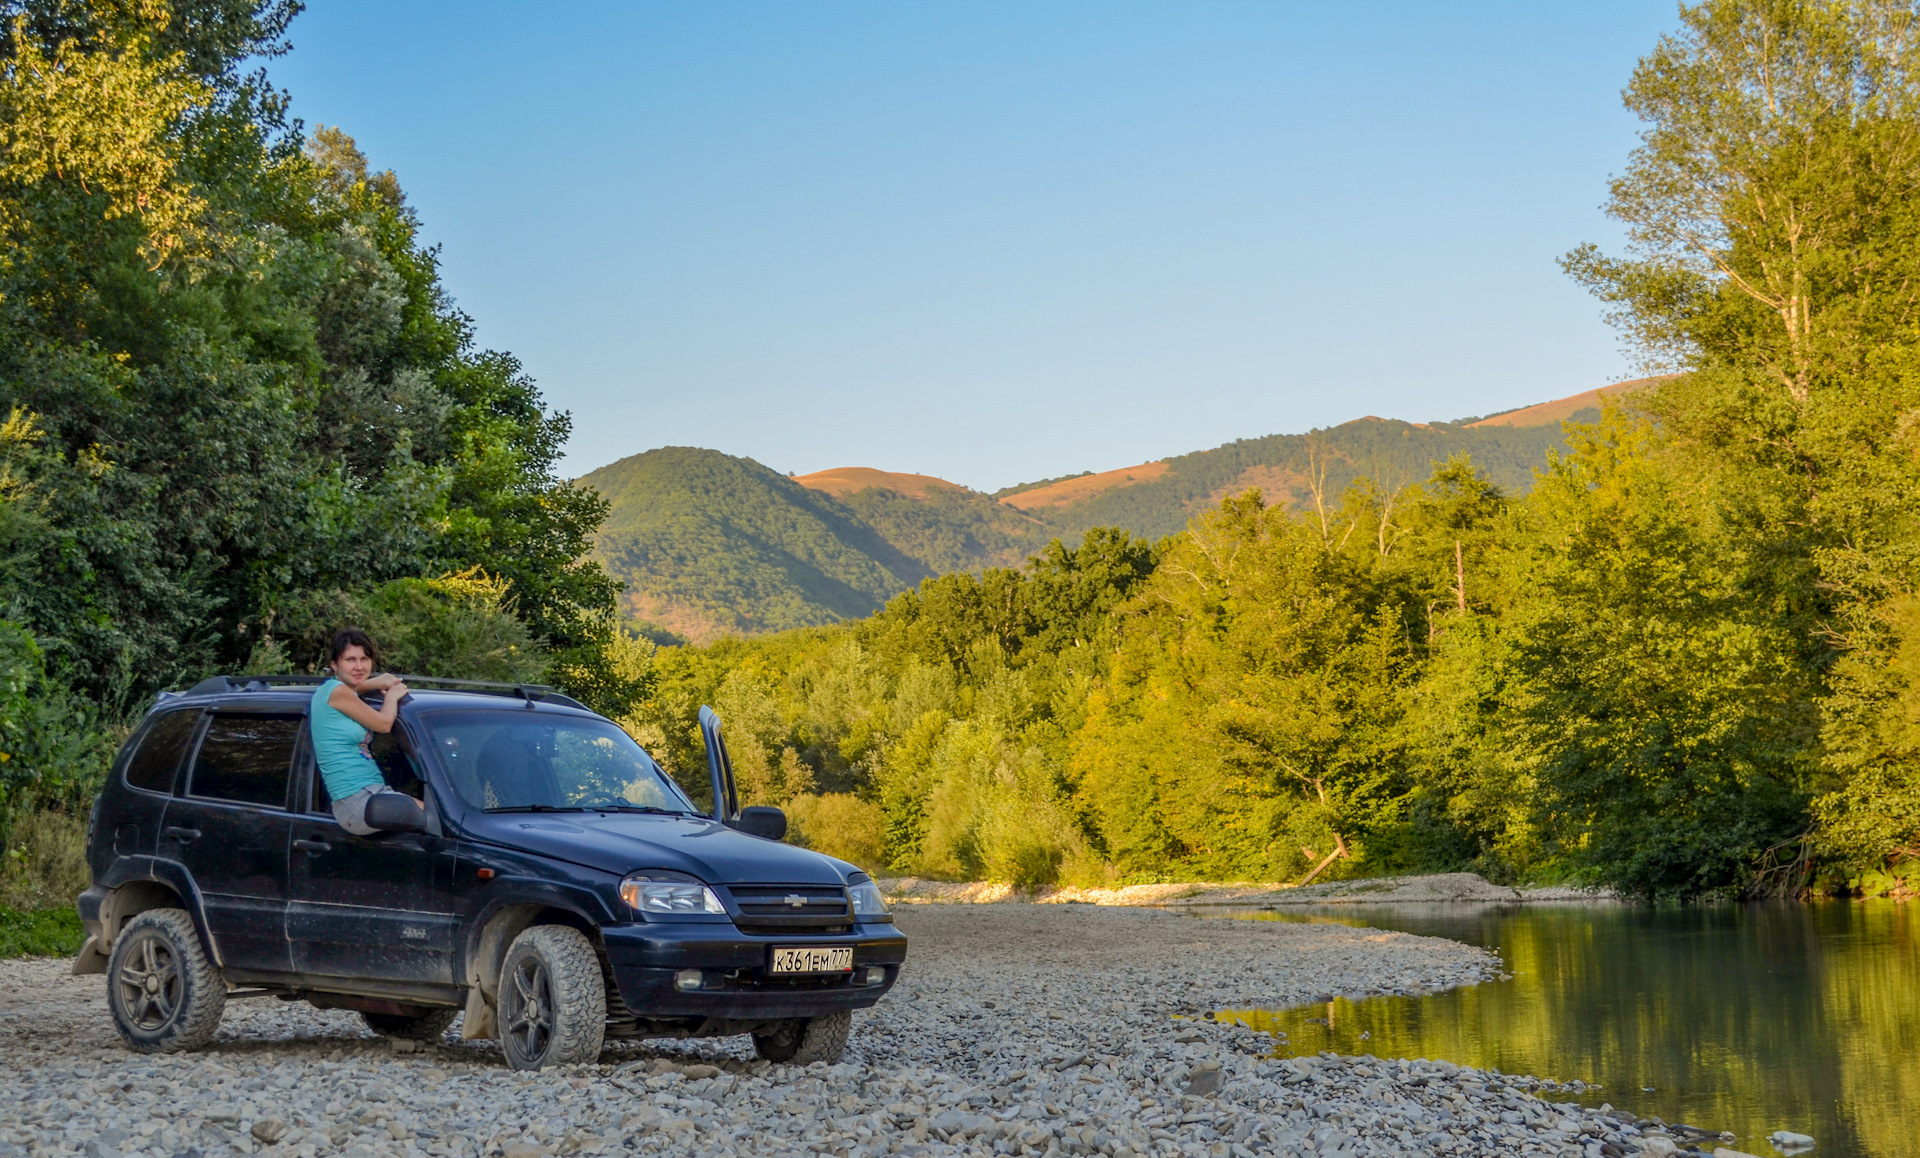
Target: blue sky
{"points": [[997, 242]]}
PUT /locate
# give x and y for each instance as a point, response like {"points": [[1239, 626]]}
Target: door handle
{"points": [[179, 833], [313, 847]]}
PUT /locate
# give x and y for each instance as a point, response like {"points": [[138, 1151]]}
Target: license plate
{"points": [[814, 959]]}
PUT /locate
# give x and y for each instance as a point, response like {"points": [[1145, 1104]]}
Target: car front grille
{"points": [[772, 909]]}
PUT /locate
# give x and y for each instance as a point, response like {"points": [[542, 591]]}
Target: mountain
{"points": [[709, 544]]}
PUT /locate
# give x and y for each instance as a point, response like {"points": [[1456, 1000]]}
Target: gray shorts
{"points": [[352, 812]]}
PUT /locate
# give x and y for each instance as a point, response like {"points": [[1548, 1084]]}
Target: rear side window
{"points": [[161, 752], [245, 758]]}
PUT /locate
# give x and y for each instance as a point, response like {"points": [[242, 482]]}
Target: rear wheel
{"points": [[552, 1002], [427, 1026], [805, 1040], [162, 991]]}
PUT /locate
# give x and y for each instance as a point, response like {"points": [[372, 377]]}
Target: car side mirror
{"points": [[396, 812], [761, 821]]}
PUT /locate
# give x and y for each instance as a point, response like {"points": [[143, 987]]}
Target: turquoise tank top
{"points": [[339, 745]]}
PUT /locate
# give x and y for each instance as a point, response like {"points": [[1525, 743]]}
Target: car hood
{"points": [[621, 843]]}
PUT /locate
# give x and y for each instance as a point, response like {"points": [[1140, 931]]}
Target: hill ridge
{"points": [[710, 544]]}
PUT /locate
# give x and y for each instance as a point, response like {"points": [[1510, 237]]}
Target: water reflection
{"points": [[1745, 1018]]}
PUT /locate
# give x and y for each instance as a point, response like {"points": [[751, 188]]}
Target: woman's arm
{"points": [[354, 708], [377, 683]]}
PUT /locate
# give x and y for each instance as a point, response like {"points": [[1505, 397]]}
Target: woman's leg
{"points": [[352, 812]]}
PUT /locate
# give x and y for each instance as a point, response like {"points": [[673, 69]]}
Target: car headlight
{"points": [[866, 898], [654, 894]]}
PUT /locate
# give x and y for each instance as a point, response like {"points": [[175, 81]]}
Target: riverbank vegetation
{"points": [[1683, 663], [236, 403]]}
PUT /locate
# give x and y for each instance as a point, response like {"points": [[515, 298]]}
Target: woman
{"points": [[342, 724]]}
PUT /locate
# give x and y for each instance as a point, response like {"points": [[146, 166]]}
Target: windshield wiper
{"points": [[647, 808], [538, 808]]}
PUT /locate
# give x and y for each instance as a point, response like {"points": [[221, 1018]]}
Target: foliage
{"points": [[40, 932], [46, 859], [238, 387], [1771, 213]]}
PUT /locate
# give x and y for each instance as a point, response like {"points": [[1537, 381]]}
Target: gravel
{"points": [[1016, 1029]]}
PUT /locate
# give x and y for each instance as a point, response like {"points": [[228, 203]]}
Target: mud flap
{"points": [[478, 1023], [90, 959]]}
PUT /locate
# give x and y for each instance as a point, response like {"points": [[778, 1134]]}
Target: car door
{"points": [[229, 825], [370, 908], [726, 799]]}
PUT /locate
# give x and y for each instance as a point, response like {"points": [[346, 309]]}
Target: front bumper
{"points": [[736, 984]]}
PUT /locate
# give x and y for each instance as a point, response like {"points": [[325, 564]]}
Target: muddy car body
{"points": [[553, 885]]}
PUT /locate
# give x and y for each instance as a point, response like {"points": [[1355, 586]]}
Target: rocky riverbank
{"points": [[1435, 888], [1017, 1028]]}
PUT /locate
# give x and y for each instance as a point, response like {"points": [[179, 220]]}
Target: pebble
{"points": [[1017, 1029]]}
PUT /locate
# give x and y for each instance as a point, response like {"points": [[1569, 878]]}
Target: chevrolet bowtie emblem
{"points": [[796, 900]]}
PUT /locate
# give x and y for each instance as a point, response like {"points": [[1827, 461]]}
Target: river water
{"points": [[1749, 1018]]}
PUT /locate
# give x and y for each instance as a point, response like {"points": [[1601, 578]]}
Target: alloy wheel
{"points": [[150, 982], [531, 1023]]}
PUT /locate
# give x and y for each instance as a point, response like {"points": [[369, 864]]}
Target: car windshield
{"points": [[506, 761]]}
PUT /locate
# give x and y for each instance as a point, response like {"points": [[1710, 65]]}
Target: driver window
{"points": [[396, 768]]}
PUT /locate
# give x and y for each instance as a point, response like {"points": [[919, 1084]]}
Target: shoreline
{"points": [[1434, 888], [1020, 1029]]}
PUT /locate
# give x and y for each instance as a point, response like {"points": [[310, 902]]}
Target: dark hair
{"points": [[348, 637]]}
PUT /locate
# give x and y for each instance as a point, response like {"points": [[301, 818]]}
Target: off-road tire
{"points": [[805, 1040], [180, 1007], [428, 1026], [552, 1002]]}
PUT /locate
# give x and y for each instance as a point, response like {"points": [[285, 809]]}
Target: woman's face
{"points": [[354, 665]]}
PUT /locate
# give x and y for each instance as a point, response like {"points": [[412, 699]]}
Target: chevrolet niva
{"points": [[553, 883]]}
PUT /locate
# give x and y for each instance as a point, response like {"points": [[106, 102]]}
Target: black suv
{"points": [[556, 885]]}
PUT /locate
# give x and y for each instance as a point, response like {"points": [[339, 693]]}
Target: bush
{"points": [[46, 860], [839, 824], [53, 750], [459, 626], [41, 933]]}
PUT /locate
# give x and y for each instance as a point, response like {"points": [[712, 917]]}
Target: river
{"points": [[1748, 1018]]}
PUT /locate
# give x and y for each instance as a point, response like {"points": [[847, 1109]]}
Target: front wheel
{"points": [[552, 1002], [805, 1040], [162, 991]]}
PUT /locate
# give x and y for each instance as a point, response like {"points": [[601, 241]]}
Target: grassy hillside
{"points": [[709, 544]]}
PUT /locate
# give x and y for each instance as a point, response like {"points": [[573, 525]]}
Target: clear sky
{"points": [[994, 241]]}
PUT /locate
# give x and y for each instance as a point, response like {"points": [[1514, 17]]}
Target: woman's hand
{"points": [[378, 683], [348, 701]]}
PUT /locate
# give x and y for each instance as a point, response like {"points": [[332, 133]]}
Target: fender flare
{"points": [[515, 906], [172, 875]]}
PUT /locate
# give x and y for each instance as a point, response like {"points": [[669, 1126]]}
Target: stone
{"points": [[1204, 1083], [695, 1073], [525, 1150], [1723, 1152], [1789, 1141], [95, 1148], [269, 1130]]}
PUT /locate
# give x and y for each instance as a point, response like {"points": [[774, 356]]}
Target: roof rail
{"points": [[531, 693], [527, 692], [214, 685]]}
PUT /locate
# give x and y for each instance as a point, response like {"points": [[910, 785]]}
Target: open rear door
{"points": [[726, 801]]}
